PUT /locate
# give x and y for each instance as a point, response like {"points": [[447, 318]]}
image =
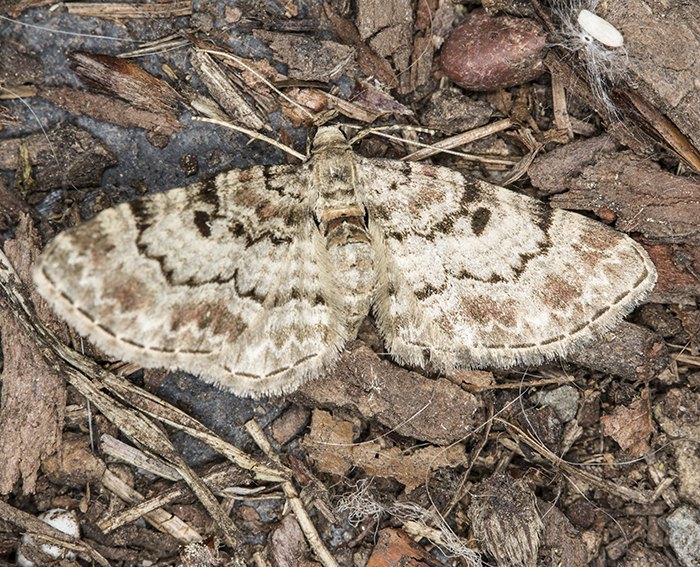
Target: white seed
{"points": [[600, 29]]}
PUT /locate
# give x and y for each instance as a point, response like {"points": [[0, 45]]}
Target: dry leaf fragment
{"points": [[395, 549], [630, 426], [331, 444]]}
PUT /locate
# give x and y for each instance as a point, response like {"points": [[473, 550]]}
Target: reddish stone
{"points": [[486, 53]]}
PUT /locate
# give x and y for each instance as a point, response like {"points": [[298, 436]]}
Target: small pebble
{"points": [[486, 53], [683, 529], [563, 400], [63, 520]]}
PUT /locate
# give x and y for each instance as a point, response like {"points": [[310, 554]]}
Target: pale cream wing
{"points": [[227, 279], [476, 275]]}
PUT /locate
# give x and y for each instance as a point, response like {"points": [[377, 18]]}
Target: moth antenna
{"points": [[251, 133]]}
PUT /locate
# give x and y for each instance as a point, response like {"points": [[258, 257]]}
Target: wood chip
{"points": [[371, 64], [114, 10], [630, 351], [127, 80], [33, 393], [65, 156], [309, 59], [678, 266], [226, 92], [643, 198], [109, 109]]}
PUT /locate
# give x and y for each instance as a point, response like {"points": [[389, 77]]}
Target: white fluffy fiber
{"points": [[599, 45]]}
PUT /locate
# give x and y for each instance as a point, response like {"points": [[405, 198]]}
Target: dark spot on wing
{"points": [[142, 217], [427, 291], [208, 193], [472, 191], [202, 221], [236, 228], [443, 227], [480, 219]]}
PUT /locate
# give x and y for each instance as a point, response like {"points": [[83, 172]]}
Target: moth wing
{"points": [[476, 275], [227, 279]]}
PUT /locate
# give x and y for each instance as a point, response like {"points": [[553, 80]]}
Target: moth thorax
{"points": [[336, 189], [335, 167], [345, 230]]}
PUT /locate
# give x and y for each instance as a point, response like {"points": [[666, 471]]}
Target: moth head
{"points": [[329, 137]]}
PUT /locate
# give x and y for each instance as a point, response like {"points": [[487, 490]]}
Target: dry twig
{"points": [[295, 503], [163, 9], [460, 139], [91, 381], [576, 472]]}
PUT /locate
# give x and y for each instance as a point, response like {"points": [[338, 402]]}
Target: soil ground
{"points": [[592, 460]]}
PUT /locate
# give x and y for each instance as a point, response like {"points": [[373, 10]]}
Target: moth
{"points": [[256, 279]]}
